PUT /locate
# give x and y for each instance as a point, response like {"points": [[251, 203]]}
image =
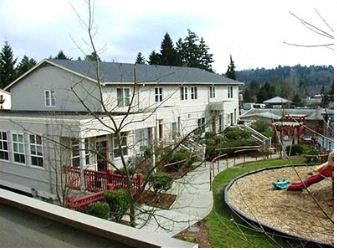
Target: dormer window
{"points": [[49, 98]]}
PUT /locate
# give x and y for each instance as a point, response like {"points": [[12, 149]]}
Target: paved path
{"points": [[194, 200]]}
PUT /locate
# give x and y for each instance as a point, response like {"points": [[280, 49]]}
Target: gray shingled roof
{"points": [[310, 114], [275, 100], [124, 72]]}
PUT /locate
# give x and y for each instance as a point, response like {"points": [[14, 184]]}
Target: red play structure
{"points": [[325, 170]]}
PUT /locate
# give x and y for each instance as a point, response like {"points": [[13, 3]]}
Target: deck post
{"points": [[82, 163]]}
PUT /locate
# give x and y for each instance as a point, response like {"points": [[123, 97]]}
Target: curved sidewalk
{"points": [[194, 199]]}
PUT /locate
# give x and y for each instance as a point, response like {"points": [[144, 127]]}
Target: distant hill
{"points": [[312, 77]]}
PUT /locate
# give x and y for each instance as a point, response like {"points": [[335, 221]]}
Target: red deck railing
{"points": [[95, 181]]}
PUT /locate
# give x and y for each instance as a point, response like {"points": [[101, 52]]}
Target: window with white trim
{"points": [[194, 93], [123, 97], [36, 150], [18, 148], [183, 93], [158, 94], [123, 143], [4, 153], [75, 152], [49, 98], [230, 92], [212, 92]]}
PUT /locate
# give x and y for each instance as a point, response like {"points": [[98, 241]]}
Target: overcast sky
{"points": [[252, 31]]}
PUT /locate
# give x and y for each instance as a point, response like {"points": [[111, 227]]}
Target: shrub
{"points": [[160, 181], [118, 201], [236, 134], [99, 209], [122, 171], [296, 149]]}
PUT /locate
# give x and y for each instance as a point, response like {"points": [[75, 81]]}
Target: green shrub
{"points": [[118, 201], [99, 209], [296, 149], [236, 134], [122, 171], [160, 181]]}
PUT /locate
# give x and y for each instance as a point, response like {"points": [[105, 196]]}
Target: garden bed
{"points": [[299, 214], [162, 200]]}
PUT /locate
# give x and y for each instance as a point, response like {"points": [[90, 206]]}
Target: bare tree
{"points": [[324, 31]]}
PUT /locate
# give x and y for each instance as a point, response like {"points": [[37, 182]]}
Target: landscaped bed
{"points": [[298, 213]]}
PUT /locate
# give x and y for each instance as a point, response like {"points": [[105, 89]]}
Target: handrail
{"points": [[211, 167]]}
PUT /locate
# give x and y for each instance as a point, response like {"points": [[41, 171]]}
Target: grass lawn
{"points": [[223, 230]]}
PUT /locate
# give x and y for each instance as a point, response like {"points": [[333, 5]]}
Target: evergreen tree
{"points": [[154, 58], [231, 69], [205, 57], [247, 96], [266, 92], [62, 56], [24, 65], [168, 54], [297, 101], [194, 52], [7, 65], [140, 58], [92, 57]]}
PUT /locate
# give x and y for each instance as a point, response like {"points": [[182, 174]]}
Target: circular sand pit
{"points": [[306, 215]]}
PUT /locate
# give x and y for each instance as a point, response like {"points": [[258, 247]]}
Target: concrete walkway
{"points": [[194, 200]]}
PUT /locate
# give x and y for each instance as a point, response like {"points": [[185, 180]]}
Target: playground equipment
{"points": [[323, 171]]}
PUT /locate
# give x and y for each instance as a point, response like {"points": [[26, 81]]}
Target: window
{"points": [[75, 152], [49, 98], [201, 124], [123, 97], [18, 148], [194, 93], [212, 92], [158, 94], [230, 92], [123, 143], [183, 93], [36, 150], [4, 146]]}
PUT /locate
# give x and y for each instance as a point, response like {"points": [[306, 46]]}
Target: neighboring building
{"points": [[50, 124], [318, 123], [277, 102], [5, 99]]}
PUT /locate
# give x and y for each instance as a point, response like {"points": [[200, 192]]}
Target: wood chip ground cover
{"points": [[300, 213]]}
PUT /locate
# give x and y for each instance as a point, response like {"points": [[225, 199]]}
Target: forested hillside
{"points": [[312, 78]]}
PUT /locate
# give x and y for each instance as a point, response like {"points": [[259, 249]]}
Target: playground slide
{"points": [[325, 170]]}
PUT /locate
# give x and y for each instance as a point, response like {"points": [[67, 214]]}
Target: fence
{"points": [[95, 181]]}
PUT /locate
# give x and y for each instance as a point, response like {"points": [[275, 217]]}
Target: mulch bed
{"points": [[162, 200], [298, 213], [196, 233], [181, 172]]}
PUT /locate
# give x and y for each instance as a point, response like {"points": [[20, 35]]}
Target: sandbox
{"points": [[304, 215]]}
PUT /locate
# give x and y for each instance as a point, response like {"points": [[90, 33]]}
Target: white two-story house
{"points": [[59, 111]]}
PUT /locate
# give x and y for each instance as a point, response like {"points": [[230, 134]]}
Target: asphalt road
{"points": [[21, 229]]}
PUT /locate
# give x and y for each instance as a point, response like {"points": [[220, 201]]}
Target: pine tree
{"points": [[140, 58], [154, 58], [62, 56], [206, 59], [24, 65], [168, 54], [194, 52], [231, 69], [92, 57], [7, 65]]}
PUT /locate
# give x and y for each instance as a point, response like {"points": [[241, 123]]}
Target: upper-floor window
{"points": [[18, 148], [4, 146], [230, 92], [75, 152], [49, 98], [212, 92], [194, 93], [183, 93], [36, 150], [158, 94], [123, 97], [123, 144]]}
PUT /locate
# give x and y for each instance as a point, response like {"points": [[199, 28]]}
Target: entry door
{"points": [[102, 155]]}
